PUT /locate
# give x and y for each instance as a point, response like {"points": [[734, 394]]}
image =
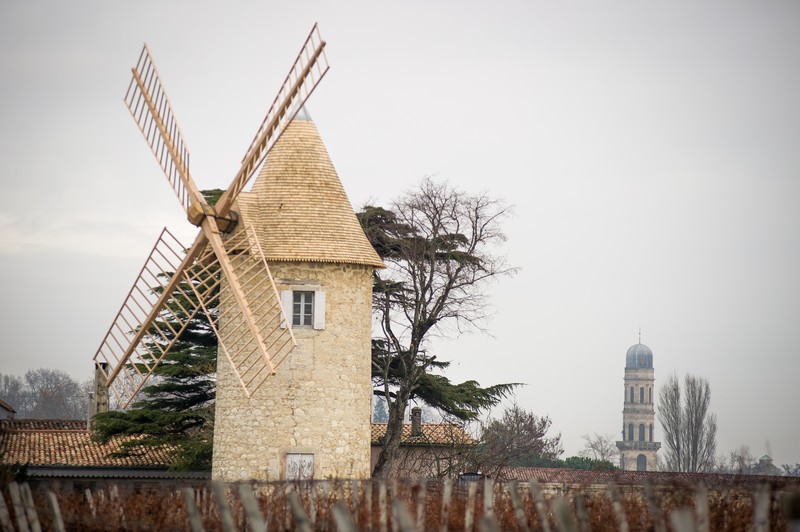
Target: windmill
{"points": [[225, 267]]}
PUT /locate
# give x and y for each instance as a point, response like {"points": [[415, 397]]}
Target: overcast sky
{"points": [[651, 152]]}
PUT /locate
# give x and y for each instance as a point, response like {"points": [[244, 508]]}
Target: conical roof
{"points": [[299, 207]]}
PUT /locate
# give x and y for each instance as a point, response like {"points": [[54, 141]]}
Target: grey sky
{"points": [[651, 151]]}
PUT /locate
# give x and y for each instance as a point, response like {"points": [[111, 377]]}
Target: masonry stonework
{"points": [[318, 402]]}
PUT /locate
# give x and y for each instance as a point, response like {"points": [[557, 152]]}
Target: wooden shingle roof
{"points": [[66, 442], [299, 206]]}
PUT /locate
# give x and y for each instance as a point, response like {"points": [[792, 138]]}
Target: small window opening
{"points": [[302, 308]]}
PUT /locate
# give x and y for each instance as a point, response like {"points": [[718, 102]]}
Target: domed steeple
{"points": [[638, 447], [639, 356]]}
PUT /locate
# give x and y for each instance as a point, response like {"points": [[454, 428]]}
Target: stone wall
{"points": [[318, 402]]}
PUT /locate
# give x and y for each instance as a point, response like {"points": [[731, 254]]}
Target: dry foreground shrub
{"points": [[369, 505]]}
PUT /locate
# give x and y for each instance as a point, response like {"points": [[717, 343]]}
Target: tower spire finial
{"points": [[640, 334]]}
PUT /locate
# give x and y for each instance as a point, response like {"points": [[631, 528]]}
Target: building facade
{"points": [[638, 448]]}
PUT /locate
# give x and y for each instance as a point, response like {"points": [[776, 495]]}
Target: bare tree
{"points": [[518, 438], [439, 246], [741, 461], [601, 447], [46, 394], [690, 429], [14, 392], [791, 470]]}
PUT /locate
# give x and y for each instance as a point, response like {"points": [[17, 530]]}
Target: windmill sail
{"points": [[174, 286], [307, 71], [152, 317], [253, 357], [150, 107]]}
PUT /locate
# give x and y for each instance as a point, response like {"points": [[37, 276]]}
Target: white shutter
{"points": [[319, 309], [286, 303]]}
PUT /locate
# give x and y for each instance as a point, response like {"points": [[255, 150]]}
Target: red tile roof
{"points": [[432, 434], [66, 442]]}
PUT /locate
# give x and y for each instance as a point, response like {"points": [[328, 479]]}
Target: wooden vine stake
{"points": [[220, 493], [342, 518], [565, 519], [541, 508], [30, 508], [402, 516], [251, 509], [619, 510], [701, 506], [19, 508], [58, 521], [5, 515], [301, 520], [519, 510], [195, 519], [761, 509], [581, 513], [655, 510], [368, 504], [383, 519], [682, 520], [447, 494], [422, 495]]}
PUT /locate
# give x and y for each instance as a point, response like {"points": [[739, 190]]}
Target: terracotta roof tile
{"points": [[59, 442], [299, 207], [432, 434]]}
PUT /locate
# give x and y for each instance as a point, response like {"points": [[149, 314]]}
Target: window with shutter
{"points": [[304, 308]]}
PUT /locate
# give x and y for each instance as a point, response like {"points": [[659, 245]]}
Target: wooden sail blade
{"points": [[151, 109], [304, 76], [151, 319], [252, 328]]}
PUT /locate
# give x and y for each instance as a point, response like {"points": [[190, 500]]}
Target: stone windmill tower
{"points": [[283, 274], [313, 417]]}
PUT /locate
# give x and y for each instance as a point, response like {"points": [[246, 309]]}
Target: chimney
{"points": [[416, 421], [100, 399]]}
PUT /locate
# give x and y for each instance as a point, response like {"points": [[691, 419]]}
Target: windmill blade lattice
{"points": [[252, 357], [149, 105], [148, 324], [227, 278], [307, 71]]}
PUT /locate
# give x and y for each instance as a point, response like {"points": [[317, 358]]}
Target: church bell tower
{"points": [[638, 449]]}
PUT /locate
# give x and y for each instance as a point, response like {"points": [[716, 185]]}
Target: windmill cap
{"points": [[299, 207]]}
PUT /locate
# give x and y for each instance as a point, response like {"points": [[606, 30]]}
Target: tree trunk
{"points": [[394, 434]]}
